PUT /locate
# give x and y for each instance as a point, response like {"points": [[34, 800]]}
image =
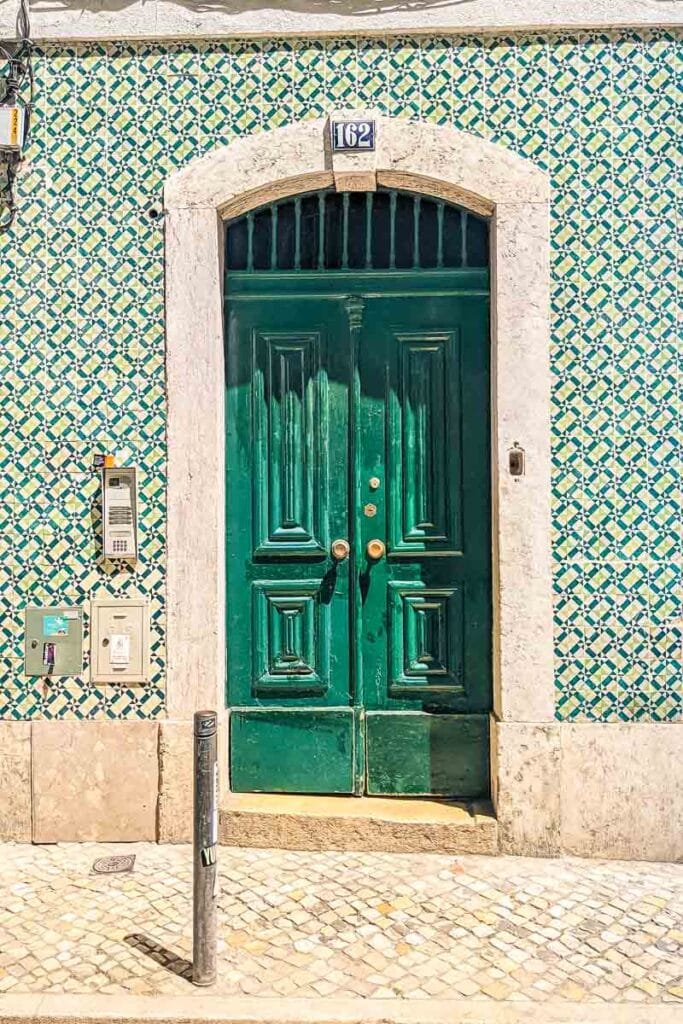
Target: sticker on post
{"points": [[352, 135], [208, 856], [119, 650], [214, 815]]}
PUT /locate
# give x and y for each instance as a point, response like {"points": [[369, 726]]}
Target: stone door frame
{"points": [[436, 161]]}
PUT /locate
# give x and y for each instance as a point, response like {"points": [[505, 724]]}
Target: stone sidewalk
{"points": [[345, 925]]}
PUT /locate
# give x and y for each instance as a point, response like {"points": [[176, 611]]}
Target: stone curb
{"points": [[210, 1009]]}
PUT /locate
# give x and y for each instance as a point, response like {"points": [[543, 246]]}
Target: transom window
{"points": [[383, 230]]}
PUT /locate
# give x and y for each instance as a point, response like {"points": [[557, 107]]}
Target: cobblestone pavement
{"points": [[338, 924]]}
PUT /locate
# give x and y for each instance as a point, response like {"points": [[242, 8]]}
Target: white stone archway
{"points": [[436, 161]]}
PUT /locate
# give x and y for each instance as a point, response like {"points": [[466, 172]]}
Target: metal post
{"points": [[205, 848]]}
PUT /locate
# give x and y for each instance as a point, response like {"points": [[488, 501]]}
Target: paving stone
{"points": [[380, 926]]}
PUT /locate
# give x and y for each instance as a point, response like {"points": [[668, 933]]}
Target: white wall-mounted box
{"points": [[119, 640]]}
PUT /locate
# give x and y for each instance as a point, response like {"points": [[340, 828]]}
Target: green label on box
{"points": [[55, 625]]}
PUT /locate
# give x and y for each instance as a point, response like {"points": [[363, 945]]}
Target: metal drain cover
{"points": [[114, 865]]}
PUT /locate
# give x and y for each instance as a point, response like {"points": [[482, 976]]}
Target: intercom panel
{"points": [[53, 641], [120, 513]]}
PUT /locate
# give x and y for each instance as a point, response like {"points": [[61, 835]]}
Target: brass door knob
{"points": [[340, 549], [375, 549]]}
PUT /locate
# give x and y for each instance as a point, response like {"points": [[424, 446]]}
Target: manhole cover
{"points": [[114, 865]]}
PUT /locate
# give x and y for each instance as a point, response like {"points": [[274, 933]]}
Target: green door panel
{"points": [[357, 408], [425, 653], [283, 751], [438, 755], [287, 442], [425, 633]]}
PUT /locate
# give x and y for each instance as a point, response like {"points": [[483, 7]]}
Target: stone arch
{"points": [[434, 160]]}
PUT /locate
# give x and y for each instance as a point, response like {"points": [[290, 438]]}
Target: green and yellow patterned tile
{"points": [[114, 119]]}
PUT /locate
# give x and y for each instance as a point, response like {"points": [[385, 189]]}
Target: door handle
{"points": [[340, 549], [375, 549]]}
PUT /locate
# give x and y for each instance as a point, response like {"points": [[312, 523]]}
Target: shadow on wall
{"points": [[340, 7]]}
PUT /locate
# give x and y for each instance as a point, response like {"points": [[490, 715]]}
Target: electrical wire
{"points": [[20, 59], [23, 21], [7, 198], [20, 71], [24, 28]]}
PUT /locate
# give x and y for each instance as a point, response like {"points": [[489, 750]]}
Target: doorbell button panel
{"points": [[120, 513], [516, 460]]}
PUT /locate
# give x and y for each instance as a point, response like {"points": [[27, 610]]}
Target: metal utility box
{"points": [[120, 513], [119, 640], [53, 641]]}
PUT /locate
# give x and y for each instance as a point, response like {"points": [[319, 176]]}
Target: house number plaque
{"points": [[350, 135]]}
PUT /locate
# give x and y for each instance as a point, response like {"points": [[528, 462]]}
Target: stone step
{"points": [[391, 825]]}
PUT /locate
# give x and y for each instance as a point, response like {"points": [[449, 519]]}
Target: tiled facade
{"points": [[82, 323]]}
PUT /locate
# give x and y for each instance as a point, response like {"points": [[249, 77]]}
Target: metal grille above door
{"points": [[383, 230]]}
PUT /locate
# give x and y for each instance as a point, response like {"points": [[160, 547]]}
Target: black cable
{"points": [[26, 48], [21, 55], [20, 69], [24, 22], [7, 200], [25, 54]]}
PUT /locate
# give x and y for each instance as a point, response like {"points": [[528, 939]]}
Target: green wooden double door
{"points": [[358, 533]]}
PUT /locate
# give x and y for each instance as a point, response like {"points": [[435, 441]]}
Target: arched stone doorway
{"points": [[433, 161]]}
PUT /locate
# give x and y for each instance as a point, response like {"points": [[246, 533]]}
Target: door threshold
{"points": [[384, 824]]}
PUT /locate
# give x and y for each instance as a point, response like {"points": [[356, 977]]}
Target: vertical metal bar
{"points": [[297, 233], [369, 206], [416, 231], [273, 236], [250, 241], [345, 231], [439, 235], [321, 230], [205, 848], [392, 231], [463, 238]]}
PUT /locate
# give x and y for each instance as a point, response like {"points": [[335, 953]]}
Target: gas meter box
{"points": [[119, 640], [120, 513], [53, 641], [11, 128]]}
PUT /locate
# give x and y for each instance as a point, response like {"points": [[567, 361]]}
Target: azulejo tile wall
{"points": [[81, 352]]}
